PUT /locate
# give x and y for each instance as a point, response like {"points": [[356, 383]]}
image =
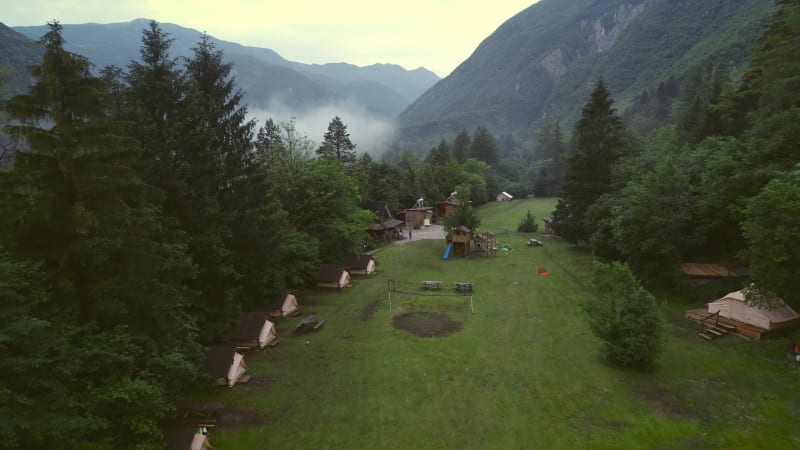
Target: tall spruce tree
{"points": [[600, 139], [484, 146], [461, 146], [336, 144]]}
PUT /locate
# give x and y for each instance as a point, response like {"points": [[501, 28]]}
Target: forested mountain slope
{"points": [[17, 55], [541, 64]]}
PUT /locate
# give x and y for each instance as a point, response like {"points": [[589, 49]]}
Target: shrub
{"points": [[624, 316], [528, 224]]}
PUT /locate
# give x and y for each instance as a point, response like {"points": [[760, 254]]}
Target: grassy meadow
{"points": [[523, 372]]}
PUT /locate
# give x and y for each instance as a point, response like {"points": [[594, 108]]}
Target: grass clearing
{"points": [[521, 372]]}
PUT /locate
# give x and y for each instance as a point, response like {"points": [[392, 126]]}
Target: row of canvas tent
{"points": [[332, 276], [225, 363]]}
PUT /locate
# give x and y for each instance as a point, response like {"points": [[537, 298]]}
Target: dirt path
{"points": [[429, 232]]}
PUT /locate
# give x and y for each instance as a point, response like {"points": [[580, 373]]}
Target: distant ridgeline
{"points": [[540, 66], [263, 75]]}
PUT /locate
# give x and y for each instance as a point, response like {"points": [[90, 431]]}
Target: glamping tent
{"points": [[504, 197], [333, 277], [254, 330], [225, 365], [289, 306], [187, 438], [733, 306], [361, 265]]}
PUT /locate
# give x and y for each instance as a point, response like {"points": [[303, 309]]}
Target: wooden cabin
{"points": [[706, 271], [388, 230], [254, 330], [418, 217], [333, 277], [444, 209]]}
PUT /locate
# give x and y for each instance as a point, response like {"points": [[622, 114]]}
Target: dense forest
{"points": [[721, 184], [140, 212]]}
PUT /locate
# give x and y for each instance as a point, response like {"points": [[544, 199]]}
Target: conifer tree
{"points": [[461, 146], [336, 144], [74, 203], [484, 146], [599, 134]]}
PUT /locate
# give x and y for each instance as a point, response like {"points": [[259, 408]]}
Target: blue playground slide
{"points": [[447, 250]]}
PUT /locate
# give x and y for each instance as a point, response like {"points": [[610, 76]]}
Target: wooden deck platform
{"points": [[743, 329]]}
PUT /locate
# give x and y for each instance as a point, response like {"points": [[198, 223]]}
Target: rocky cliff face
{"points": [[541, 64], [604, 31]]}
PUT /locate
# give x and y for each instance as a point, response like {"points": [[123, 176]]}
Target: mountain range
{"points": [[537, 67], [541, 64], [263, 75]]}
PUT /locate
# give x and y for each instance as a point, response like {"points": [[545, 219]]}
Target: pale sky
{"points": [[436, 34]]}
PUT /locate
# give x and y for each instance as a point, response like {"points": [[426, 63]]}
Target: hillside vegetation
{"points": [[541, 64]]}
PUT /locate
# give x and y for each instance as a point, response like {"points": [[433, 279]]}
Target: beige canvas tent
{"points": [[733, 306], [504, 197], [225, 365], [289, 305], [187, 438], [361, 265], [253, 329], [333, 277]]}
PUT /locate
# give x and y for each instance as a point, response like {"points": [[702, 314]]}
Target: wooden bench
{"points": [[432, 284], [319, 325], [463, 287]]}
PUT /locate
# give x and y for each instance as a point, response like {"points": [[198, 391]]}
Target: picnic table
{"points": [[463, 286], [310, 323], [432, 284]]}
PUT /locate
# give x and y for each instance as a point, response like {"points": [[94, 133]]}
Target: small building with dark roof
{"points": [[418, 216], [444, 209]]}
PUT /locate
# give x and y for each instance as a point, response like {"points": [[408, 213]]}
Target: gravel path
{"points": [[429, 232]]}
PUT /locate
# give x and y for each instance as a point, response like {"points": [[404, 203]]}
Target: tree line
{"points": [[140, 213], [721, 183]]}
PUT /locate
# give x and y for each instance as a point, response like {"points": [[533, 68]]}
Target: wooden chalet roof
{"points": [[706, 270], [379, 208], [218, 360], [392, 223], [329, 274], [249, 326], [359, 262]]}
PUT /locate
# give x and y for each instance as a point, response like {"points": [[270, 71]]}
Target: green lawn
{"points": [[522, 373]]}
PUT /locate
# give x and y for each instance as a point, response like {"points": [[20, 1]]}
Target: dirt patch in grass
{"points": [[229, 416], [426, 324], [369, 310], [679, 401]]}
